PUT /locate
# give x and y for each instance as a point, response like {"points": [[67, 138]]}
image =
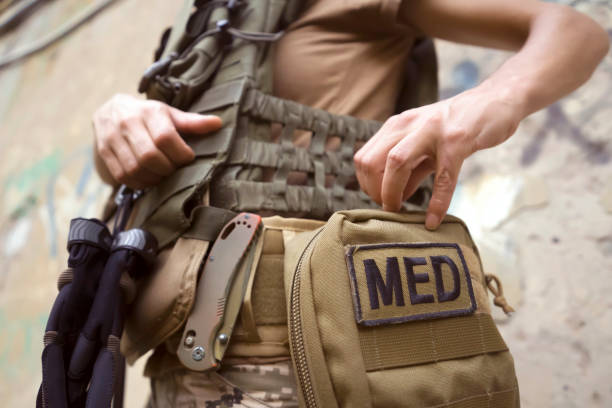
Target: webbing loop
{"points": [[499, 299]]}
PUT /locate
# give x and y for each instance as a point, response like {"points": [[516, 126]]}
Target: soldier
{"points": [[346, 58]]}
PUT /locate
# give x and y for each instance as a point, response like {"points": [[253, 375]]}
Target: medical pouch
{"points": [[384, 313]]}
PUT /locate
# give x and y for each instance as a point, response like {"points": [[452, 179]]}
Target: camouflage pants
{"points": [[247, 385]]}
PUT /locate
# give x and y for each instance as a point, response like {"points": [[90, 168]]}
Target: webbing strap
{"points": [[253, 196], [273, 109], [207, 223], [266, 154], [170, 222], [210, 144], [429, 341], [178, 27], [220, 96], [177, 182]]}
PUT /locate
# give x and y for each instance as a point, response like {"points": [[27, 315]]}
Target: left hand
{"points": [[433, 138]]}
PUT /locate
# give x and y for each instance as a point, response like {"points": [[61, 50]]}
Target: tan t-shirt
{"points": [[344, 56]]}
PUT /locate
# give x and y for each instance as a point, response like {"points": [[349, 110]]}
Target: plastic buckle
{"points": [[89, 232], [223, 25], [139, 241], [231, 4], [125, 192]]}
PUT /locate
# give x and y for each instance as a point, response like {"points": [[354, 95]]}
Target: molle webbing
{"points": [[318, 198], [430, 342], [244, 166], [239, 159]]}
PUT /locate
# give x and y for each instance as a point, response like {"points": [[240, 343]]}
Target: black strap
{"points": [[207, 222]]}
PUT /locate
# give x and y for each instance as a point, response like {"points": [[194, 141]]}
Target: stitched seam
{"points": [[433, 342], [489, 394]]}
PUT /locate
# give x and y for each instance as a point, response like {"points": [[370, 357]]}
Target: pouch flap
{"points": [[164, 298]]}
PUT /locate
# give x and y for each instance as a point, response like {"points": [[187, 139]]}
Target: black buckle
{"points": [[125, 192], [125, 199], [138, 240], [231, 4], [89, 232]]}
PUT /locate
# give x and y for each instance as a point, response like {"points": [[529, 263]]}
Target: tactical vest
{"points": [[216, 60]]}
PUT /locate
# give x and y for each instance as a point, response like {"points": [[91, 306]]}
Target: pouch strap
{"points": [[429, 341]]}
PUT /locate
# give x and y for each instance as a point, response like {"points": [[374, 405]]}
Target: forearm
{"points": [[561, 52], [558, 49]]}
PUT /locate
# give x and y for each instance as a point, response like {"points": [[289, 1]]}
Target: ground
{"points": [[539, 206]]}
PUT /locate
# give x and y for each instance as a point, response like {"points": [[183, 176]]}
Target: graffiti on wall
{"points": [[55, 188]]}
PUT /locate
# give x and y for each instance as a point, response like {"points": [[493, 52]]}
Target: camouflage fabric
{"points": [[244, 385]]}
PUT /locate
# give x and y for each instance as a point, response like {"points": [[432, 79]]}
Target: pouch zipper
{"points": [[296, 335]]}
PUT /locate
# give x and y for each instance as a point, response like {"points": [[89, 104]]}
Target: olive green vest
{"points": [[216, 60]]}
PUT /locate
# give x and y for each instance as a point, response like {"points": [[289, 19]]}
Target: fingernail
{"points": [[431, 221]]}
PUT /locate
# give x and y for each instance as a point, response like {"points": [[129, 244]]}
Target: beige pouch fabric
{"points": [[384, 313], [261, 331], [164, 299]]}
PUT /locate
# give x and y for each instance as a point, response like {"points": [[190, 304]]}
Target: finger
{"points": [[370, 160], [147, 154], [110, 161], [371, 175], [401, 161], [132, 175], [419, 174], [166, 138], [444, 185], [370, 168], [360, 178], [190, 122], [391, 132]]}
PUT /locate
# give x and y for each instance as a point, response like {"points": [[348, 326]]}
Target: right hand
{"points": [[137, 142]]}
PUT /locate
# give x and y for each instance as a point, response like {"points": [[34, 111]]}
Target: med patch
{"points": [[401, 282]]}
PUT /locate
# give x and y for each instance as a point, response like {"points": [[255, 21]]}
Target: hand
{"points": [[433, 138], [137, 142]]}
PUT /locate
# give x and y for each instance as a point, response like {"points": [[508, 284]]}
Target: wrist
{"points": [[512, 95], [496, 111]]}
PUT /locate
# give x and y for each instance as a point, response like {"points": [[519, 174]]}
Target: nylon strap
{"points": [[273, 109], [180, 180], [170, 221], [429, 341], [178, 27]]}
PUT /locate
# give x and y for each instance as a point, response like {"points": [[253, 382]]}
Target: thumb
{"points": [[190, 122], [443, 189]]}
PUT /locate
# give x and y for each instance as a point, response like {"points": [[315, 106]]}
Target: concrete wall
{"points": [[545, 229]]}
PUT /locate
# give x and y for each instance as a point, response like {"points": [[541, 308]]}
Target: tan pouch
{"points": [[164, 298], [384, 313]]}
